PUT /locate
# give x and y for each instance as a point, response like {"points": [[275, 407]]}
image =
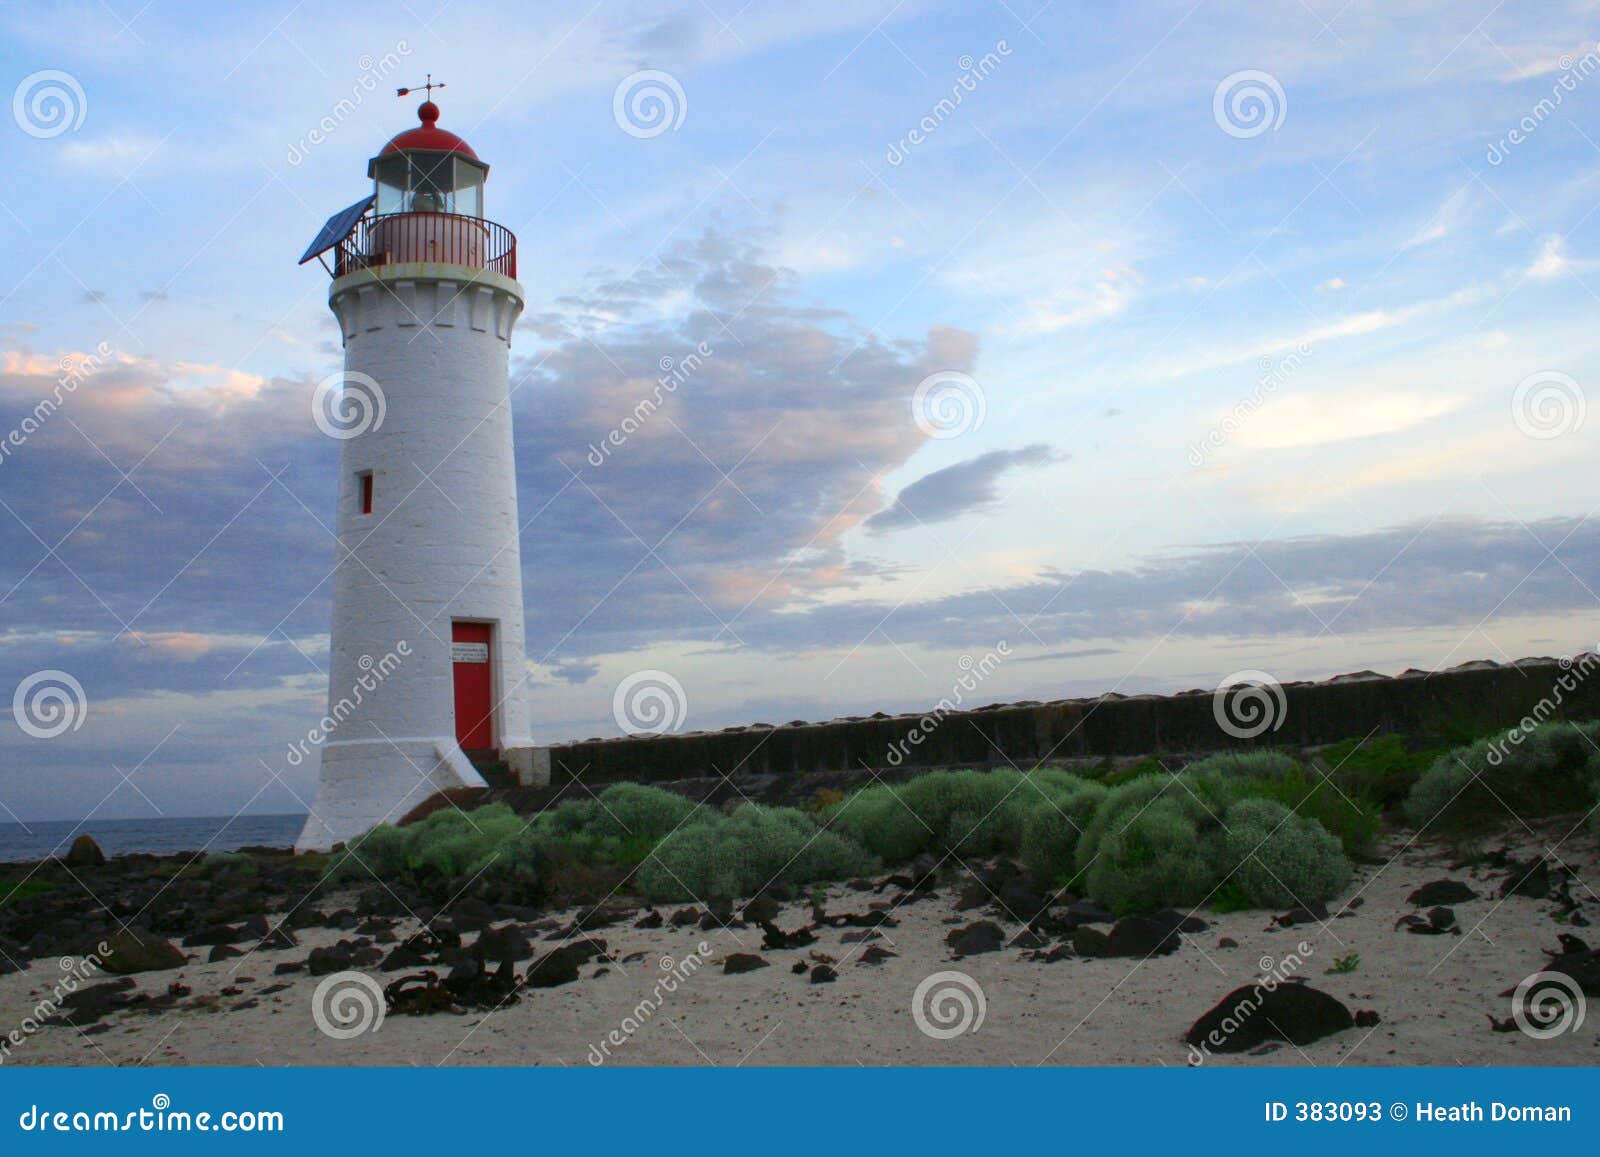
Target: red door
{"points": [[469, 655]]}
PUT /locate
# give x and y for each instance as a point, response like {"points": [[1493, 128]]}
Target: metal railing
{"points": [[393, 238]]}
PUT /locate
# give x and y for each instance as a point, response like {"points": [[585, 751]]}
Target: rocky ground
{"points": [[943, 968]]}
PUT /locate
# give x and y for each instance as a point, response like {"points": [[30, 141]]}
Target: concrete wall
{"points": [[1474, 697]]}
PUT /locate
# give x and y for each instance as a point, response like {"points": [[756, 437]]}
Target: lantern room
{"points": [[428, 170]]}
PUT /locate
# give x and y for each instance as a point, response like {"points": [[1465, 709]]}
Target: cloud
{"points": [[955, 490], [1552, 262]]}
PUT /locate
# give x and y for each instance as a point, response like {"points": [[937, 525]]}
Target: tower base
{"points": [[370, 782]]}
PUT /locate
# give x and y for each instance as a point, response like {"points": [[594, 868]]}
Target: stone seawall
{"points": [[1473, 698]]}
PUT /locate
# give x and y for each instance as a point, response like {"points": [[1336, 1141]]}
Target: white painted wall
{"points": [[441, 542]]}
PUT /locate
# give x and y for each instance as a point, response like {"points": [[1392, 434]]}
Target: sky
{"points": [[1142, 344]]}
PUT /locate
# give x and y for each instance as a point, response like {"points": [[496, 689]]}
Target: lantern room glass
{"points": [[429, 182]]}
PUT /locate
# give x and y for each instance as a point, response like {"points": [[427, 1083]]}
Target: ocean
{"points": [[37, 839]]}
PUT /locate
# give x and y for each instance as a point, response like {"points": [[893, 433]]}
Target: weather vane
{"points": [[428, 88]]}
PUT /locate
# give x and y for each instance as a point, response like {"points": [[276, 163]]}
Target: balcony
{"points": [[446, 238]]}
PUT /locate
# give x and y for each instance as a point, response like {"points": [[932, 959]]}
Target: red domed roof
{"points": [[430, 137]]}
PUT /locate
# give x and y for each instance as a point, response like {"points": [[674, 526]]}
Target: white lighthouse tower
{"points": [[426, 682]]}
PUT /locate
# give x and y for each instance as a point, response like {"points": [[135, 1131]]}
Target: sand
{"points": [[1434, 995]]}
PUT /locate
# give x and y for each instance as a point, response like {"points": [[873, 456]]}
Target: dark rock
{"points": [[1227, 942], [1441, 892], [824, 974], [1087, 940], [1028, 938], [213, 935], [560, 966], [762, 910], [85, 853], [136, 950], [279, 939], [1181, 921], [861, 937], [1142, 937], [983, 936], [875, 954], [288, 967], [333, 958], [775, 939], [799, 967], [1253, 1015], [223, 952], [683, 917], [1368, 1018], [739, 962], [651, 919], [1315, 912]]}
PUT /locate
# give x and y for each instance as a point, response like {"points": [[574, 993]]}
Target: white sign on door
{"points": [[469, 652]]}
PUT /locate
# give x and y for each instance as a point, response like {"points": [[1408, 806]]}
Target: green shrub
{"points": [[1053, 827], [1153, 860], [1275, 857], [1349, 814], [1552, 768], [726, 857], [623, 811], [971, 813], [1382, 769], [1203, 798]]}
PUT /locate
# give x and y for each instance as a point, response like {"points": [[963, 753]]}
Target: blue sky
{"points": [[1300, 394]]}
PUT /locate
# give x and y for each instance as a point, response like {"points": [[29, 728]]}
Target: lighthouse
{"points": [[426, 681]]}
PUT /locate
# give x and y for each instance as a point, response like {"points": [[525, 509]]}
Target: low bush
{"points": [[728, 857], [1382, 768], [1204, 798], [970, 813], [1521, 774], [1156, 859], [1275, 857], [1052, 829], [1347, 812]]}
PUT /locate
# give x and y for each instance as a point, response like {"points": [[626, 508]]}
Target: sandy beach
{"points": [[1434, 995]]}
